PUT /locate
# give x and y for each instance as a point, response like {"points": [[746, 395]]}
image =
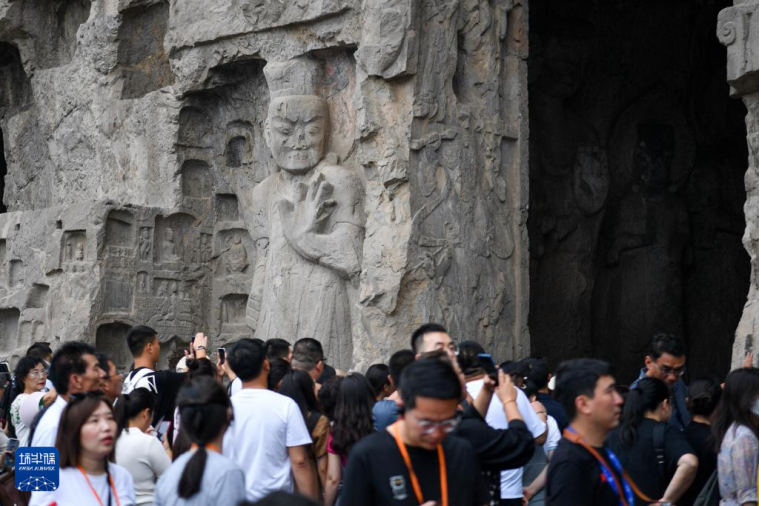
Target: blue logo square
{"points": [[37, 469]]}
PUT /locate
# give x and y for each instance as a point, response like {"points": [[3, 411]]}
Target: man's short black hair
{"points": [[432, 378], [67, 361], [103, 361], [426, 328], [578, 377], [665, 343], [307, 352], [246, 358], [398, 362], [467, 357], [138, 338], [537, 371], [277, 348], [39, 350]]}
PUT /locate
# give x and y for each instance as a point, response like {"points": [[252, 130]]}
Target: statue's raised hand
{"points": [[591, 180], [318, 205]]}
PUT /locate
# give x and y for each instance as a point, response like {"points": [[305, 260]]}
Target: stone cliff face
{"points": [[142, 188]]}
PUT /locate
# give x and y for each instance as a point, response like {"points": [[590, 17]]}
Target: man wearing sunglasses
{"points": [[413, 462], [666, 361]]}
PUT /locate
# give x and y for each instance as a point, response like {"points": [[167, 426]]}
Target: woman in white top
{"points": [[30, 376], [138, 450], [86, 441]]}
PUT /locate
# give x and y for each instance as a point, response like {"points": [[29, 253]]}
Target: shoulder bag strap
{"points": [[659, 445]]}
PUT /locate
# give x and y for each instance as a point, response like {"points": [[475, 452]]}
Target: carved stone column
{"points": [[738, 30]]}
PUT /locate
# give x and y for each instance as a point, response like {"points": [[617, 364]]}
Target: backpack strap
{"points": [[659, 445]]}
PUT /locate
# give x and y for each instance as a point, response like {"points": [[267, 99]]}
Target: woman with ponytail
{"points": [[702, 398], [138, 450], [203, 475], [657, 456]]}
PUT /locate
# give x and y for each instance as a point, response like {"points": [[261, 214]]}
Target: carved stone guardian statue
{"points": [[307, 220]]}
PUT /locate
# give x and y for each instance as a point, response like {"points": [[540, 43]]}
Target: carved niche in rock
{"points": [[15, 273], [9, 323], [232, 249], [227, 208], [175, 240], [239, 144], [120, 240], [37, 296], [118, 292], [145, 244], [74, 250], [233, 310], [312, 220], [143, 282], [195, 128], [111, 339]]}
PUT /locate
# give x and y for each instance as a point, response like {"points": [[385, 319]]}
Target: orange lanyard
{"points": [[576, 438], [92, 489], [208, 446], [413, 476]]}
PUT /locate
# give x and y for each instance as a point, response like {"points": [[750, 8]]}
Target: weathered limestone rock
{"points": [[337, 169], [738, 30]]}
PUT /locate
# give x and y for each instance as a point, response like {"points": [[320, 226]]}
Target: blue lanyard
{"points": [[627, 489], [610, 480]]}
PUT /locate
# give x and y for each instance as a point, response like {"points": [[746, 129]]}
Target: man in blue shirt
{"points": [[666, 360]]}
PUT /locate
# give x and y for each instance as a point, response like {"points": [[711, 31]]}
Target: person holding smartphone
{"points": [[143, 343]]}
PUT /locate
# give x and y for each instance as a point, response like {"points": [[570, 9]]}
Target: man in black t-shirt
{"points": [[402, 465], [582, 471], [143, 343]]}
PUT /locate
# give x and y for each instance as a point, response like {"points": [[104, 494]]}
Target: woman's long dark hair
{"points": [[299, 386], [204, 408], [740, 392], [353, 416], [25, 364], [703, 396], [128, 406], [377, 376], [646, 396]]}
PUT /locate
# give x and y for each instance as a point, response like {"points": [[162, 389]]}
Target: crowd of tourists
{"points": [[271, 423]]}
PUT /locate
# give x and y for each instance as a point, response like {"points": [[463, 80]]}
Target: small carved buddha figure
{"points": [[236, 259], [169, 248]]}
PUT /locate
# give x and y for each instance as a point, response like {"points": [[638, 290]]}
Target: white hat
{"points": [[182, 365], [551, 384], [30, 407]]}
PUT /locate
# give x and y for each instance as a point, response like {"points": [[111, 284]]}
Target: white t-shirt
{"points": [[236, 386], [47, 429], [144, 457], [266, 424], [553, 436], [22, 431], [74, 490], [512, 480]]}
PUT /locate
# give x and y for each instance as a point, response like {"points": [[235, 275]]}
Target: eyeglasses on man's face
{"points": [[428, 427], [667, 371]]}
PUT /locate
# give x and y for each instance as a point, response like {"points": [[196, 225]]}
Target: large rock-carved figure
{"points": [[640, 289], [571, 188], [307, 219]]}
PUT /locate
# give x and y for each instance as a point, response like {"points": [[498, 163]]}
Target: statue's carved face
{"points": [[297, 132], [564, 63]]}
